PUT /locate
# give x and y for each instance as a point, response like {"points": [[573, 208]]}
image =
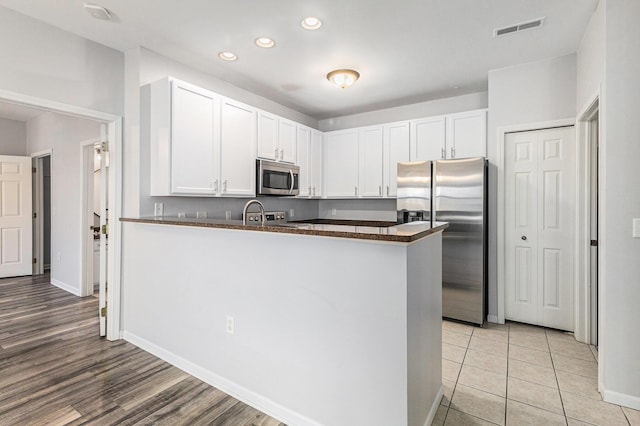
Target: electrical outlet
{"points": [[59, 256], [201, 215], [182, 214], [292, 212], [227, 215], [636, 227], [333, 212], [230, 324], [158, 209]]}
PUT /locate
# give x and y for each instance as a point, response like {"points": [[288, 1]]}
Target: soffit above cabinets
{"points": [[406, 51]]}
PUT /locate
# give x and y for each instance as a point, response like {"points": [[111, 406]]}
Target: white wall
{"points": [[528, 93], [590, 59], [13, 137], [63, 134], [407, 112], [620, 198], [43, 61]]}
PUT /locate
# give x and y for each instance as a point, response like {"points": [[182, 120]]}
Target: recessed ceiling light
{"points": [[311, 23], [227, 56], [265, 42], [97, 11]]}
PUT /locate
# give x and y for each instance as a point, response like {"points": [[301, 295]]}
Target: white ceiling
{"points": [[405, 50]]}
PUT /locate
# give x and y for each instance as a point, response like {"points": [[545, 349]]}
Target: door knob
{"points": [[524, 238]]}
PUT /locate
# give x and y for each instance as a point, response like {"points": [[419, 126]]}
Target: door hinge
{"points": [[35, 215], [594, 243], [35, 260], [103, 311], [104, 146], [104, 230], [33, 170]]}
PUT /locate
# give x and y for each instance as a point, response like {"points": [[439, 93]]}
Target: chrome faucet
{"points": [[246, 207]]}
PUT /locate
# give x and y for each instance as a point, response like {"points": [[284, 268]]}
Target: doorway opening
{"points": [[41, 182]]}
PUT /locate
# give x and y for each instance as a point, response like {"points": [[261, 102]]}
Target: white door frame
{"points": [[114, 136], [86, 248], [38, 208], [501, 232]]}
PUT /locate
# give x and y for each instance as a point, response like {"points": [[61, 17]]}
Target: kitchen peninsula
{"points": [[311, 323]]}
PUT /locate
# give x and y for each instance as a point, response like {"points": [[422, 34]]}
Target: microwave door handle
{"points": [[292, 178]]}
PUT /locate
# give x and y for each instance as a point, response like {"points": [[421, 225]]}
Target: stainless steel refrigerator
{"points": [[453, 191]]}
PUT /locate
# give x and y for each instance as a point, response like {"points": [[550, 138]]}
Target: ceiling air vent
{"points": [[536, 23]]}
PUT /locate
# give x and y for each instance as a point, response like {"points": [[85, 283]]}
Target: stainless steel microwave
{"points": [[277, 178]]}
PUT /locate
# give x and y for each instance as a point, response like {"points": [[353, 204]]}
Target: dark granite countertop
{"points": [[363, 230]]}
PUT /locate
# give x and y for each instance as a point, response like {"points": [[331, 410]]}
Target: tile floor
{"points": [[517, 374]]}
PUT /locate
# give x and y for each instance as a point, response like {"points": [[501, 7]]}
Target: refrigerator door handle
{"points": [[443, 153]]}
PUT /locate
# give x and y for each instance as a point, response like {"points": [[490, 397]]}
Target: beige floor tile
{"points": [[592, 411], [533, 394], [492, 334], [532, 356], [450, 370], [532, 373], [441, 414], [581, 385], [518, 327], [481, 404], [571, 349], [564, 336], [494, 326], [574, 422], [489, 346], [449, 386], [574, 365], [632, 415], [483, 380], [457, 327], [531, 341], [453, 352], [495, 363], [457, 339], [594, 351], [458, 418], [525, 415]]}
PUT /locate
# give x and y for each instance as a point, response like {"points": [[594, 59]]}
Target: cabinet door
{"points": [[315, 162], [370, 150], [193, 139], [287, 141], [428, 139], [341, 163], [303, 155], [467, 134], [237, 149], [396, 150], [267, 136]]}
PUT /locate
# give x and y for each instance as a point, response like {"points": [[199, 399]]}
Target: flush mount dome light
{"points": [[343, 78], [227, 56], [311, 23], [265, 42]]}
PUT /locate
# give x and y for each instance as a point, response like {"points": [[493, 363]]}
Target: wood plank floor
{"points": [[55, 370]]}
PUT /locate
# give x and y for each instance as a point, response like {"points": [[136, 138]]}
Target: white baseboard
{"points": [[434, 407], [66, 287], [621, 399], [492, 319], [227, 386]]}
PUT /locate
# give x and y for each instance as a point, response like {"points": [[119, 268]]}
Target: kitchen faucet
{"points": [[246, 207]]}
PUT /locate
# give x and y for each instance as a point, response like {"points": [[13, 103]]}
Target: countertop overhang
{"points": [[362, 230]]}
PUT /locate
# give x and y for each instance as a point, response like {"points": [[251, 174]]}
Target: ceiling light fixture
{"points": [[311, 23], [227, 56], [265, 42], [343, 78], [97, 11]]}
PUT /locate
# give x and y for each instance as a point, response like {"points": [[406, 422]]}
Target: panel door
{"points": [[268, 136], [237, 149], [303, 160], [15, 216], [371, 163], [315, 161], [194, 127], [428, 139], [396, 141], [539, 250], [341, 163], [287, 141], [467, 134]]}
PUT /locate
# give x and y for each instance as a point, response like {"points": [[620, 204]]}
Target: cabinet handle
{"points": [[443, 153], [380, 190], [224, 185], [453, 152], [314, 191], [275, 153], [387, 190], [282, 153], [215, 186], [356, 190], [309, 191]]}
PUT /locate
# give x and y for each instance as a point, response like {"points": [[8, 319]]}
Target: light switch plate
{"points": [[227, 215], [158, 209], [201, 215], [636, 227]]}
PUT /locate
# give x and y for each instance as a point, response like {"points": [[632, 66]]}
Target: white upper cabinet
{"points": [[428, 138], [341, 163], [467, 134], [303, 153], [370, 165], [315, 162], [396, 150], [237, 149], [184, 139], [276, 138]]}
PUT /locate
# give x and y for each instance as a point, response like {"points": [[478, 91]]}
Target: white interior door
{"points": [[539, 246], [104, 179], [15, 216]]}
